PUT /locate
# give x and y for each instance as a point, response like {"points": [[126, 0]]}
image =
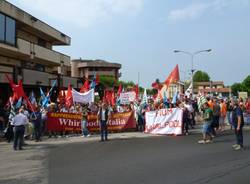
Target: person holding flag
{"points": [[37, 123]]}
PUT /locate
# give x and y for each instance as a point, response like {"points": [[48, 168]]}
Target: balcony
{"points": [[51, 56], [28, 51]]}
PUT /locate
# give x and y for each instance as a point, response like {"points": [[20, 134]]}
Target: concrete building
{"points": [[215, 88], [88, 68], [26, 50]]}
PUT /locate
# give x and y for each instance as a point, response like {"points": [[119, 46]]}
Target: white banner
{"points": [[164, 121], [87, 97], [126, 98]]}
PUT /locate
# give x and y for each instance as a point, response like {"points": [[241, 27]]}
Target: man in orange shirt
{"points": [[210, 102], [223, 113]]}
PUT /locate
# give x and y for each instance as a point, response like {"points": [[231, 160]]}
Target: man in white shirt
{"points": [[19, 122]]}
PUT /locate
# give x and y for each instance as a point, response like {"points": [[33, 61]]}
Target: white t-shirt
{"points": [[189, 107]]}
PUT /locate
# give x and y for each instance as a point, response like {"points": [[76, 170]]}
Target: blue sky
{"points": [[142, 34]]}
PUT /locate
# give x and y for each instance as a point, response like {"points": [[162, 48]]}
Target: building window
{"points": [[33, 66], [7, 30], [41, 42], [10, 34], [2, 27]]}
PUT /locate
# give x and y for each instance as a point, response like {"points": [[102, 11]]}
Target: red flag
{"points": [[112, 98], [18, 92], [61, 97], [136, 90], [156, 85], [173, 77], [97, 79], [69, 97], [109, 97], [85, 86]]}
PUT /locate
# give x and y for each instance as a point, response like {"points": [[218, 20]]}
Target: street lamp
{"points": [[192, 54]]}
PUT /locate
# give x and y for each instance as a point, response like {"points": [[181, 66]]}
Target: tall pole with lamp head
{"points": [[192, 54]]}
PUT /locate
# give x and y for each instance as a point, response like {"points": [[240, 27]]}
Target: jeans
{"points": [[239, 135], [85, 131], [37, 132], [229, 117], [18, 136], [185, 126], [141, 123], [104, 130], [207, 127]]}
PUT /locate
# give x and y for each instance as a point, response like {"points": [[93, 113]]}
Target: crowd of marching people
{"points": [[29, 120], [16, 124], [217, 111]]}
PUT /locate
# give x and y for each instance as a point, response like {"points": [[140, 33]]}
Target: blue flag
{"points": [[165, 98], [44, 99], [19, 103], [32, 98], [93, 84], [175, 98], [52, 87]]}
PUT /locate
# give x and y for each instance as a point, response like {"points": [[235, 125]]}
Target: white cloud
{"points": [[82, 13], [195, 10], [190, 12]]}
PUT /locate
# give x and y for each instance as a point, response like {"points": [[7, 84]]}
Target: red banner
{"points": [[64, 122], [72, 122], [117, 122]]}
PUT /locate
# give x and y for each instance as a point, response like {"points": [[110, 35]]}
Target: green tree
{"points": [[110, 82], [243, 86], [128, 84], [236, 87], [246, 84], [201, 76], [107, 81]]}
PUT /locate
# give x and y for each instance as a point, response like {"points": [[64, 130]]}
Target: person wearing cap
{"points": [[19, 122], [238, 123]]}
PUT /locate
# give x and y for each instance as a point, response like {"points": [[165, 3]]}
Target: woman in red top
{"points": [[247, 106]]}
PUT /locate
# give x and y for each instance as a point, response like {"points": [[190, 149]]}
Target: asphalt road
{"points": [[152, 160]]}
